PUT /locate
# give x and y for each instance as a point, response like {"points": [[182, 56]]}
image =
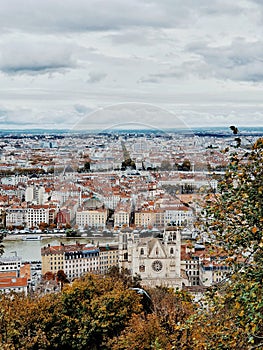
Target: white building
{"points": [[10, 264], [11, 279], [37, 214], [17, 285], [16, 216], [179, 216], [85, 260], [35, 194]]}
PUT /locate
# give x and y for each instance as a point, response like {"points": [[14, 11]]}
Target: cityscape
{"points": [[131, 152], [129, 199]]}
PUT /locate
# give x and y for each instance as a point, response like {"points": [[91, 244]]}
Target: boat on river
{"points": [[32, 238]]}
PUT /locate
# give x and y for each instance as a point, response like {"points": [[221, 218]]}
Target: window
{"points": [[142, 268], [142, 251]]}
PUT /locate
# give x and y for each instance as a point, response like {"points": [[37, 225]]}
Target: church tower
{"points": [[126, 240]]}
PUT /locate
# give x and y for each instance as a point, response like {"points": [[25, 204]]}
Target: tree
{"points": [[164, 328], [235, 223], [186, 166], [87, 166], [235, 218], [125, 276], [142, 332], [93, 310], [85, 315], [61, 277]]}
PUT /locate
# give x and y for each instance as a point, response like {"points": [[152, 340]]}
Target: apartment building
{"points": [[122, 214], [180, 216], [16, 216], [52, 258], [92, 218], [37, 214], [144, 218], [190, 263], [17, 285], [35, 194], [109, 257], [202, 267], [213, 272], [83, 260], [10, 264], [78, 259]]}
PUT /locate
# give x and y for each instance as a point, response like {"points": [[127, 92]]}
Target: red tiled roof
{"points": [[13, 282]]}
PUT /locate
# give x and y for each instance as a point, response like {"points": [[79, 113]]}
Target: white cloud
{"points": [[29, 54], [241, 60], [95, 77], [60, 60]]}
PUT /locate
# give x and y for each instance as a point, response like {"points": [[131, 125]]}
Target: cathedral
{"points": [[156, 259]]}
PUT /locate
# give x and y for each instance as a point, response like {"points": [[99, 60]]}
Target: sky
{"points": [[100, 63]]}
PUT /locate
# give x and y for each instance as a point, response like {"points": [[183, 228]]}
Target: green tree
{"points": [[235, 223], [87, 166]]}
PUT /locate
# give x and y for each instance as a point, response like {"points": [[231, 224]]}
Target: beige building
{"points": [[92, 218], [144, 218], [78, 259], [52, 258], [109, 257], [122, 214]]}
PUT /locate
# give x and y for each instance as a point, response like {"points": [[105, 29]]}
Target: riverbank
{"points": [[20, 237]]}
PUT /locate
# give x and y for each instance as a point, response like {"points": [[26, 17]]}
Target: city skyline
{"points": [[63, 64]]}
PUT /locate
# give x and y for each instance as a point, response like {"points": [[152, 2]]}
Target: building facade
{"points": [[156, 260], [77, 259], [92, 218]]}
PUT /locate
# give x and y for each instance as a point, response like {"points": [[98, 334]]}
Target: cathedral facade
{"points": [[156, 259]]}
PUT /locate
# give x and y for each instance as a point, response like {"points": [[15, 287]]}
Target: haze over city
{"points": [[198, 62]]}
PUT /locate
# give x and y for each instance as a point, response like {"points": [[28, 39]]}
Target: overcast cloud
{"points": [[64, 62]]}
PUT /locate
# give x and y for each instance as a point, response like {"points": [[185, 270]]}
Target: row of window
{"points": [[194, 273], [9, 263], [7, 268]]}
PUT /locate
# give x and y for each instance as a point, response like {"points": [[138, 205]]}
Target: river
{"points": [[31, 250]]}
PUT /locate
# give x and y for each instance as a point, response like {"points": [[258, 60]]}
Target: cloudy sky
{"points": [[104, 62]]}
